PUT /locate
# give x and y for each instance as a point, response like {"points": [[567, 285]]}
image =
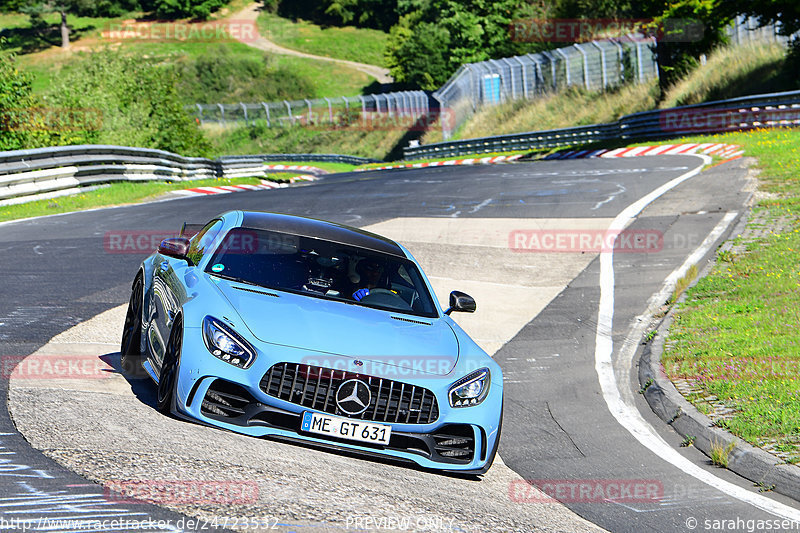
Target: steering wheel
{"points": [[387, 298], [381, 291]]}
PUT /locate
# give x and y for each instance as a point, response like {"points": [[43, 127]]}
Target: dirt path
{"points": [[250, 14]]}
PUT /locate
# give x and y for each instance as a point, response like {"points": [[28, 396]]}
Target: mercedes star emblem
{"points": [[353, 397]]}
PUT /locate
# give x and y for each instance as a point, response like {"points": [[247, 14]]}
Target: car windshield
{"points": [[322, 269]]}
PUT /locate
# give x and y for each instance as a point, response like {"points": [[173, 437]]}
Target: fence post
{"points": [[363, 110], [346, 105], [200, 118], [602, 63], [585, 66], [289, 109], [244, 110], [307, 101], [266, 111], [560, 52], [551, 58], [445, 131], [639, 61], [330, 110], [389, 104], [511, 76], [222, 113], [621, 52], [524, 77]]}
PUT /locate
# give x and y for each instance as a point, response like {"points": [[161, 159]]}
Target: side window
{"points": [[204, 241]]}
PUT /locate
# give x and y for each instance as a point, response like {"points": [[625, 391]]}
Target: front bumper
{"points": [[460, 440]]}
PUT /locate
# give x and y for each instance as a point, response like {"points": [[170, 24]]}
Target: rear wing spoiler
{"points": [[190, 230]]}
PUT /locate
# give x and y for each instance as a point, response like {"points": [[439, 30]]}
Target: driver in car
{"points": [[371, 272]]}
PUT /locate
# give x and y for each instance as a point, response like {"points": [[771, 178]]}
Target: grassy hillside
{"points": [[354, 44], [250, 74]]}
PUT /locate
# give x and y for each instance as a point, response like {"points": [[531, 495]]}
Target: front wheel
{"points": [[130, 348], [168, 379]]}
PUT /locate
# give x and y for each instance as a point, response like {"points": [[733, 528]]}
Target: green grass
{"points": [[324, 165], [737, 334], [755, 68], [720, 454], [354, 44], [115, 194], [378, 144]]}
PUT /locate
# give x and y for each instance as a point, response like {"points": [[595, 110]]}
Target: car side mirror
{"points": [[176, 247], [461, 302]]}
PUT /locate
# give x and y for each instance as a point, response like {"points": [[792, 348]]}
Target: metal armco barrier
{"points": [[765, 110], [33, 174]]}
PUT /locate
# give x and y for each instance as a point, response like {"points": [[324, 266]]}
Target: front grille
{"points": [[315, 387]]}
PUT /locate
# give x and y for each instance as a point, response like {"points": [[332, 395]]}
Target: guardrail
{"points": [[765, 110], [27, 175]]}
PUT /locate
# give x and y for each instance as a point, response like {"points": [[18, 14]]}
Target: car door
{"points": [[169, 289]]}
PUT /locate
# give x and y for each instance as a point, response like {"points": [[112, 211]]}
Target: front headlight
{"points": [[225, 344], [470, 390]]}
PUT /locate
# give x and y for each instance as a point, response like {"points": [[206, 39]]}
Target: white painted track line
{"points": [[628, 416]]}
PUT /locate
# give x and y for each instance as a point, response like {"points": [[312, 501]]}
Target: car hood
{"points": [[345, 330]]}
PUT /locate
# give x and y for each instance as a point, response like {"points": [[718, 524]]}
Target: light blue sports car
{"points": [[293, 328]]}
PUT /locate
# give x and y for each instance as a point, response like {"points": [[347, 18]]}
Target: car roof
{"points": [[321, 229]]}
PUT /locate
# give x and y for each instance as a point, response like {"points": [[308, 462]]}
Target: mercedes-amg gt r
{"points": [[299, 329]]}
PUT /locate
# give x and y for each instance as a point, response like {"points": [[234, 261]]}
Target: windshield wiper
{"points": [[233, 278]]}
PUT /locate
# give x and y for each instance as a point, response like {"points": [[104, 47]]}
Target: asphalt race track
{"points": [[539, 316]]}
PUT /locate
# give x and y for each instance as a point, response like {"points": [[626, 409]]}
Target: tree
{"points": [[677, 51], [435, 37], [416, 54], [785, 13], [35, 9], [378, 14]]}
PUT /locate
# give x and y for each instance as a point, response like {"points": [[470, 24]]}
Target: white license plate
{"points": [[346, 428]]}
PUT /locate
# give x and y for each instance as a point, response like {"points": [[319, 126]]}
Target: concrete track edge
{"points": [[746, 460]]}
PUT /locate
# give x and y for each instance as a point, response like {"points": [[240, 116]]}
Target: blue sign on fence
{"points": [[491, 88]]}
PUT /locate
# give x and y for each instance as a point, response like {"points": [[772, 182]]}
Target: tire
{"points": [[131, 358], [168, 379]]}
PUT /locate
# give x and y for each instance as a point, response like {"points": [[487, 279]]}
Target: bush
{"points": [[220, 76], [177, 9], [139, 103], [24, 122]]}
